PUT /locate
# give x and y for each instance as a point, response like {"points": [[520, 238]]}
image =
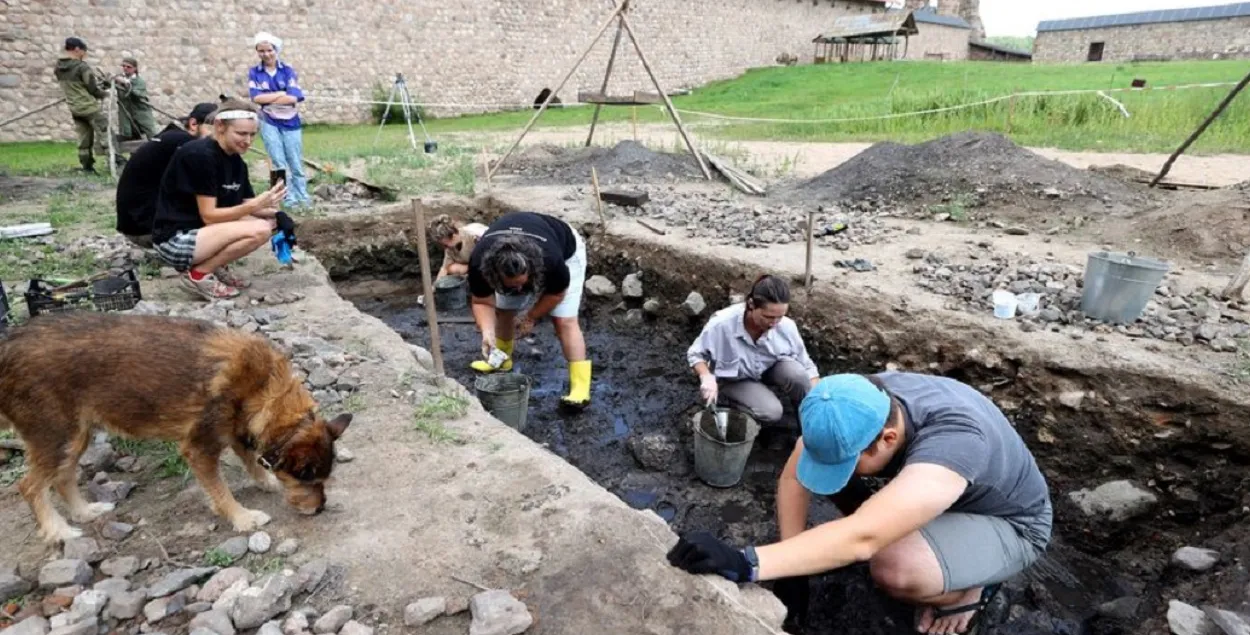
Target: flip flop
{"points": [[974, 625]]}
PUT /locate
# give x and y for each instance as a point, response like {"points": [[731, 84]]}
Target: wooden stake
{"points": [[668, 103], [111, 102], [431, 314], [594, 180], [616, 43], [634, 119], [807, 269], [1011, 109], [1167, 166], [651, 227], [1238, 284], [602, 28]]}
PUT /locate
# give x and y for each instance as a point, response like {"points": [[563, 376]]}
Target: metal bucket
{"points": [[1117, 286], [450, 294], [506, 396], [717, 462]]}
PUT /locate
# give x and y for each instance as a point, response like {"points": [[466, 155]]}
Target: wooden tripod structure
{"points": [[622, 27]]}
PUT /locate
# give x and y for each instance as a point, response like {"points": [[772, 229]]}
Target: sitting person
{"points": [[207, 215], [140, 180], [457, 241], [745, 346]]}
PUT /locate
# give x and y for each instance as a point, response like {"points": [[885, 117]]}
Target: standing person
{"points": [[134, 118], [274, 85], [83, 92], [965, 507], [139, 185], [206, 214], [521, 256], [750, 344]]}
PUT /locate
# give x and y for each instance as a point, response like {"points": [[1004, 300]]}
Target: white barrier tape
{"points": [[1117, 104], [372, 102]]}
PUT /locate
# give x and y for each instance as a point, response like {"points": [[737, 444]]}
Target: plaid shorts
{"points": [[179, 251]]}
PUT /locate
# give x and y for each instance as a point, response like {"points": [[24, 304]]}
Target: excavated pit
{"points": [[1186, 444]]}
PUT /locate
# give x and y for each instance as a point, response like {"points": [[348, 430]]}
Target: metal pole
{"points": [[807, 269], [386, 112], [431, 314], [1201, 129]]}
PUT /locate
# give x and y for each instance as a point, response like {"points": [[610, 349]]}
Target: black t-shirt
{"points": [[199, 168], [553, 235], [140, 182]]}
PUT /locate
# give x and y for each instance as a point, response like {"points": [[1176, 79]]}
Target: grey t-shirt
{"points": [[953, 425]]}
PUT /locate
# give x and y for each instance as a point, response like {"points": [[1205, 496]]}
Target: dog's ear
{"points": [[339, 424]]}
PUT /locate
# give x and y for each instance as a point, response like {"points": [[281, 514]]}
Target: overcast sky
{"points": [[1013, 17]]}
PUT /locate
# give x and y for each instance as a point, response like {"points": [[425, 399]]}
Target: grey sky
{"points": [[1013, 17]]}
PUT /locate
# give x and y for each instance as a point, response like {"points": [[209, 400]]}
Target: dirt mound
{"points": [[978, 168], [1213, 225], [626, 162]]}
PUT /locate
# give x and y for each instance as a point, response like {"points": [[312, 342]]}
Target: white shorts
{"points": [[572, 301]]}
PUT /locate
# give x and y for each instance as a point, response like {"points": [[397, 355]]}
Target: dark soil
{"points": [[626, 162], [23, 188]]}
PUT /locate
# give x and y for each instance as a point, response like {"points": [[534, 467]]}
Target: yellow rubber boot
{"points": [[503, 345], [579, 385]]}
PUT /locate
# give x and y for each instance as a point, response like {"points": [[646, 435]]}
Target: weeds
{"points": [[957, 207], [169, 461], [217, 558], [353, 403], [434, 410], [272, 565]]}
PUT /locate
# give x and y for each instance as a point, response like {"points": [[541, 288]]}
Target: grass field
{"points": [[1159, 120]]}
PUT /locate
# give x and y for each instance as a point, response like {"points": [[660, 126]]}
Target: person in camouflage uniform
{"points": [[83, 92], [134, 119]]}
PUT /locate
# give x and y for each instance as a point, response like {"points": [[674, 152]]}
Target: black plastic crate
{"points": [[114, 293]]}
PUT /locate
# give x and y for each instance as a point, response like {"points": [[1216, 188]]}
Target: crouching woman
{"points": [[207, 215]]}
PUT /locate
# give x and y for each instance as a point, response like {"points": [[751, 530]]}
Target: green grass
{"points": [[429, 416], [169, 461], [217, 558], [271, 565]]}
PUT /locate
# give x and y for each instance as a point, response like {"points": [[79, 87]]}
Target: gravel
{"points": [[627, 162]]}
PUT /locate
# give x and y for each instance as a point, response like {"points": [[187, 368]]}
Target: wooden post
{"points": [[431, 314], [616, 43], [110, 97], [594, 180], [1011, 109], [807, 269], [602, 28], [1167, 166], [668, 103], [634, 119]]}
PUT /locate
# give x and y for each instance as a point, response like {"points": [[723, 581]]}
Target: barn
{"points": [[1198, 33], [940, 37]]}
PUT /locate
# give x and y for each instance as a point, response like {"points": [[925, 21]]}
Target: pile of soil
{"points": [[975, 168], [627, 162], [1211, 225]]}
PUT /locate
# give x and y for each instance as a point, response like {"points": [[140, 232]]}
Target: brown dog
{"points": [[149, 377]]}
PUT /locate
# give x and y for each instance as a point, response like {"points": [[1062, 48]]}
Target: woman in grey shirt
{"points": [[747, 345]]}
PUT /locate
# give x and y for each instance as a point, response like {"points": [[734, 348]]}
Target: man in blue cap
{"points": [[964, 509]]}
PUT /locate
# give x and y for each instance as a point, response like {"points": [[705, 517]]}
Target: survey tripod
{"points": [[400, 89]]}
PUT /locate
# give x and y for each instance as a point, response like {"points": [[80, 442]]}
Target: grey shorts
{"points": [[976, 550], [179, 251]]}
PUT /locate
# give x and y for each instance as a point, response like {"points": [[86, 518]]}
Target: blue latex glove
{"points": [[281, 247]]}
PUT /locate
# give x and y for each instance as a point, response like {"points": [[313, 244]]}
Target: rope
{"points": [[33, 112]]}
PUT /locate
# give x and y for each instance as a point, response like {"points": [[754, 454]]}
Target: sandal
{"points": [[228, 278], [974, 625]]}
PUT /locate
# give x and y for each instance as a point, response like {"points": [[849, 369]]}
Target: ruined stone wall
{"points": [[1204, 39], [476, 54], [936, 41]]}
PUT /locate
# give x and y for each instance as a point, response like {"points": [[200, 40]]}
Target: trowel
{"points": [[722, 420]]}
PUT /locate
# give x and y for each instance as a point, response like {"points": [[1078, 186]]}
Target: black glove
{"points": [[795, 594], [286, 225], [701, 552]]}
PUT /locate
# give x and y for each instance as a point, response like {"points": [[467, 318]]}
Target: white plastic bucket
{"points": [[1028, 302], [1004, 304]]}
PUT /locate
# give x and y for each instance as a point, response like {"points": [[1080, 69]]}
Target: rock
{"points": [[176, 581], [498, 613], [1228, 622], [634, 317], [915, 253], [295, 624], [1207, 332], [215, 621], [260, 603], [1051, 192], [322, 377], [83, 549], [652, 306], [333, 620], [88, 604], [120, 567], [161, 608], [235, 547], [600, 287], [109, 491], [98, 457], [1184, 619], [230, 596], [355, 628], [424, 611], [1050, 314], [655, 451], [89, 626], [116, 531], [33, 625], [694, 304], [310, 575], [290, 545], [1016, 231], [423, 356], [631, 287], [1117, 501], [201, 631], [12, 586], [1072, 398], [270, 628], [112, 586], [221, 581], [259, 542], [1123, 609], [60, 573], [1195, 559], [125, 606], [1223, 345]]}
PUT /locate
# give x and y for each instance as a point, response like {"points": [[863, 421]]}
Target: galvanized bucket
{"points": [[1117, 286], [721, 462]]}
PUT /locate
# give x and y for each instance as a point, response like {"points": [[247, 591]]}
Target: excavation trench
{"points": [[1184, 443]]}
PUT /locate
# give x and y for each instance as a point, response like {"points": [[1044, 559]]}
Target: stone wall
{"points": [[477, 55], [937, 41], [1204, 39]]}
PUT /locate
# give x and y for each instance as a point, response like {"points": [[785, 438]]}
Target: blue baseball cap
{"points": [[840, 416]]}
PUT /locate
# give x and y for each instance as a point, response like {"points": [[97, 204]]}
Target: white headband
{"points": [[228, 115]]}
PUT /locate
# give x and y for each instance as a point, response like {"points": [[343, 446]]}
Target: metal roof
{"points": [[1218, 12], [929, 16], [888, 23], [1000, 49]]}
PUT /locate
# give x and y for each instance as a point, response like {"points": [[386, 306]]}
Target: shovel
{"points": [[722, 420]]}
